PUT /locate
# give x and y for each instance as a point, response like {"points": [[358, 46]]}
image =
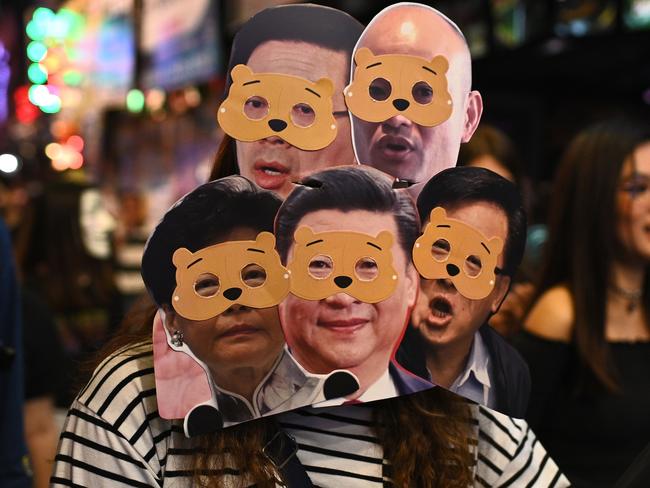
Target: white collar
{"points": [[477, 364]]}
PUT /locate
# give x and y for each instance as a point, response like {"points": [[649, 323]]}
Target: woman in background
{"points": [[587, 336], [69, 264]]}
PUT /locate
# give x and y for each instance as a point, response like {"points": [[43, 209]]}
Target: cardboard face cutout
{"points": [[210, 282], [357, 264], [450, 249], [261, 105], [396, 84], [215, 278]]}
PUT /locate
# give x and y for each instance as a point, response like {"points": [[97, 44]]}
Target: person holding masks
{"points": [[586, 337], [114, 432], [449, 341]]}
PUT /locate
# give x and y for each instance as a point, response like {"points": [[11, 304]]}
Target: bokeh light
{"points": [[135, 100], [8, 163]]}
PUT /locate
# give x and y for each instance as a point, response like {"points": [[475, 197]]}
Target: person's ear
{"points": [[171, 319], [500, 292], [412, 284], [472, 115]]}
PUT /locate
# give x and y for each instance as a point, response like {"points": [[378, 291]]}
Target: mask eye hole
{"points": [[379, 89], [440, 250], [206, 285], [302, 115], [320, 267], [253, 275], [473, 266], [256, 108], [366, 269], [422, 93]]}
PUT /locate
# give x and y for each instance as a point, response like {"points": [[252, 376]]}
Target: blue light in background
{"points": [[5, 73]]}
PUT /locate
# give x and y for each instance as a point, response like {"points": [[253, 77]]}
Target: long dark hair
{"points": [[582, 234]]}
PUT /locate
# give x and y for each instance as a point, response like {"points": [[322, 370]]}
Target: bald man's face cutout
{"points": [[389, 85], [412, 147]]}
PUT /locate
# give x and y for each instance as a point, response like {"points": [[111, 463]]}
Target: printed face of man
{"points": [[398, 146], [341, 332], [274, 164], [441, 314]]}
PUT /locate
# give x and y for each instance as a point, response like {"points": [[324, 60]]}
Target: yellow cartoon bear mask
{"points": [[451, 249], [214, 278], [393, 84], [328, 263], [261, 105]]}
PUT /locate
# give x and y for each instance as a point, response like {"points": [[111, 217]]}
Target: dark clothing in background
{"points": [[44, 359], [510, 380], [593, 435], [13, 450]]}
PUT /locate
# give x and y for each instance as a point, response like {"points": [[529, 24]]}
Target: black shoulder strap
{"points": [[281, 449]]}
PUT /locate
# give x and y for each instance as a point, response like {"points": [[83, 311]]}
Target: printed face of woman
{"points": [[240, 337], [633, 204]]}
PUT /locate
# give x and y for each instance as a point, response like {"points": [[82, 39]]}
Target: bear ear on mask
{"points": [[241, 73]]}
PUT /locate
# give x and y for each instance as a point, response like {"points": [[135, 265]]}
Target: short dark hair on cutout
{"points": [[314, 24], [347, 188], [202, 218], [462, 185]]}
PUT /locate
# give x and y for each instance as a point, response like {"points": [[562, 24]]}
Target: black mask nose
{"points": [[343, 281], [452, 270], [277, 125], [401, 104], [232, 293]]}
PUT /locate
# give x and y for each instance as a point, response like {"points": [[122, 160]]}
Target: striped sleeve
{"points": [[510, 455], [93, 453], [113, 435]]}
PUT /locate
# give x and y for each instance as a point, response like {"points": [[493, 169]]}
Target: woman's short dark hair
{"points": [[347, 188], [469, 184], [202, 218], [314, 24]]}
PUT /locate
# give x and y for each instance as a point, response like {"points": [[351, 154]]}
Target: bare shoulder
{"points": [[552, 315]]}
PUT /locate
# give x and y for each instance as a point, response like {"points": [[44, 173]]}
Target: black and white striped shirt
{"points": [[113, 436]]}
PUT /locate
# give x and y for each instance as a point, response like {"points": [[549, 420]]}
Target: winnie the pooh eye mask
{"points": [[261, 105], [354, 263], [214, 278], [451, 249], [398, 84]]}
